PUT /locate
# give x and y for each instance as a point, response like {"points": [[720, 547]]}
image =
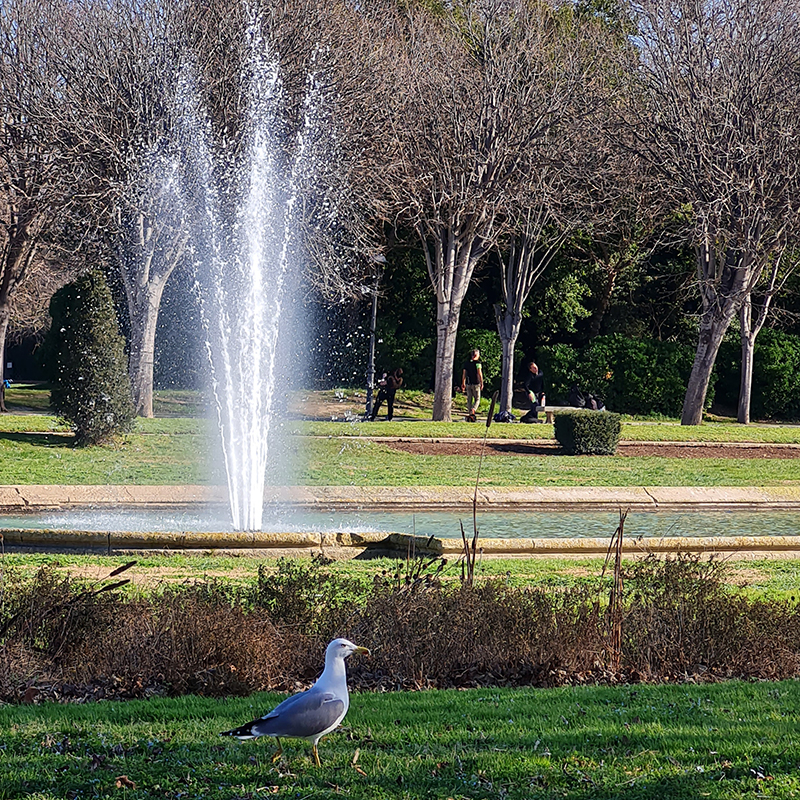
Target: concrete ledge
{"points": [[367, 545], [347, 545], [557, 498], [763, 545]]}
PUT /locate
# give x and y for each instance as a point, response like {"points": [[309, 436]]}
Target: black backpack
{"points": [[576, 398]]}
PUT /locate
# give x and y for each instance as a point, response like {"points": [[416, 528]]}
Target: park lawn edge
{"points": [[644, 742]]}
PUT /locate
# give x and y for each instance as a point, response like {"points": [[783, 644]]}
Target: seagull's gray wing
{"points": [[301, 715]]}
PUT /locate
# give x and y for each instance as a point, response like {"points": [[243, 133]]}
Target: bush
{"points": [[776, 374], [633, 376], [583, 432], [85, 358], [61, 637]]}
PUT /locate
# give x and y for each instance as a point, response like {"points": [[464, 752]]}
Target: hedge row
{"points": [[633, 376]]}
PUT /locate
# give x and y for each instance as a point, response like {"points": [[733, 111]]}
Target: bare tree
{"points": [[477, 87], [717, 117], [565, 84], [774, 277], [538, 233], [131, 56], [39, 178]]}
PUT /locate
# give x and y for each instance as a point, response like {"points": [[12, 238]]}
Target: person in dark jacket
{"points": [[534, 388], [389, 387]]}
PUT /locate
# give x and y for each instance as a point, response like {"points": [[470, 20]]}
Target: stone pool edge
{"points": [[366, 545], [556, 498], [342, 546]]}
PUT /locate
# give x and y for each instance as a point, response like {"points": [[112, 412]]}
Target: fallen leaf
{"points": [[124, 782]]}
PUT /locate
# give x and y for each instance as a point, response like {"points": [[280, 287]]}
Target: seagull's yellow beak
{"points": [[362, 650]]}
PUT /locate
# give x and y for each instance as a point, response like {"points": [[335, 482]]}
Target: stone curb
{"points": [[348, 545], [119, 542], [556, 498]]}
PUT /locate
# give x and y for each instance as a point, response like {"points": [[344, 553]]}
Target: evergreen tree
{"points": [[85, 357]]}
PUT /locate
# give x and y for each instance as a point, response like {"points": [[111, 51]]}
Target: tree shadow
{"points": [[40, 439]]}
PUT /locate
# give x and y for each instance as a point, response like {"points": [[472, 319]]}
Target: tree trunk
{"points": [[451, 260], [143, 310], [508, 326], [5, 316], [746, 379], [446, 331], [604, 301], [712, 329]]}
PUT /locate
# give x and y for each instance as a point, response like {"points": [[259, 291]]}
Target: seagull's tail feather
{"points": [[243, 732]]}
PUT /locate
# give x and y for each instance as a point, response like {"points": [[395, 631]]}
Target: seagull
{"points": [[308, 715]]}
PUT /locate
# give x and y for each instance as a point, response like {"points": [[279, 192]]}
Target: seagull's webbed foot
{"points": [[278, 752]]}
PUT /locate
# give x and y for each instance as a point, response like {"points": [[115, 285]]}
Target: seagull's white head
{"points": [[342, 648]]}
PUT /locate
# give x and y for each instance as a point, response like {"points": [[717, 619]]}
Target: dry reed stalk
{"points": [[615, 600], [470, 552]]}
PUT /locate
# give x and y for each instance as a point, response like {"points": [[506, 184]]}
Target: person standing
{"points": [[389, 386], [534, 387], [472, 383]]}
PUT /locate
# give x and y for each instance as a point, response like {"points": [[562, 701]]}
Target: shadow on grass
{"points": [[65, 439]]}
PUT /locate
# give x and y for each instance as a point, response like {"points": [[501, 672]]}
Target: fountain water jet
{"points": [[244, 199]]}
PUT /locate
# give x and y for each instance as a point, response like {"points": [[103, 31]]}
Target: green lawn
{"points": [[632, 430], [178, 451], [179, 446], [51, 458], [364, 463], [774, 579], [729, 740]]}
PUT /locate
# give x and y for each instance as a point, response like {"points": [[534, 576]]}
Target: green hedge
{"points": [[583, 432], [633, 376], [776, 374]]}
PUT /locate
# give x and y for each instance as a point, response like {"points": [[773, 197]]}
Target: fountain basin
{"points": [[556, 498], [372, 544], [346, 522]]}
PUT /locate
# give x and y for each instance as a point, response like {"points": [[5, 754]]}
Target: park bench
{"points": [[551, 411]]}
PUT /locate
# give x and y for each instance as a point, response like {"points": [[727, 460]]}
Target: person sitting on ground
{"points": [[472, 383], [390, 383], [534, 387], [576, 398]]}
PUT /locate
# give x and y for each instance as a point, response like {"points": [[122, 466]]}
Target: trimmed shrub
{"points": [[583, 432], [85, 358]]}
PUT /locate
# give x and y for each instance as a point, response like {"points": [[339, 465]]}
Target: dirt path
{"points": [[454, 447]]}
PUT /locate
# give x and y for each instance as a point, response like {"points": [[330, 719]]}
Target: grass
{"points": [[774, 579], [51, 458], [175, 451], [719, 741], [632, 430], [363, 463], [35, 448]]}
